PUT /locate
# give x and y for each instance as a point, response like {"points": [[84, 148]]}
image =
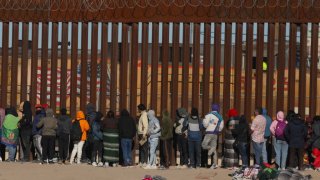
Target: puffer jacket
{"points": [[49, 124]]}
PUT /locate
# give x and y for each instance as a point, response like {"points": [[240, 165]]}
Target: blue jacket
{"points": [[36, 120], [267, 132], [96, 131], [194, 128]]}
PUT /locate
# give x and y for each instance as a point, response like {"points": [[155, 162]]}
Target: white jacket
{"points": [[210, 122]]}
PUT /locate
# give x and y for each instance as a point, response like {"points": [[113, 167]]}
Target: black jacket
{"points": [[241, 132], [314, 141], [64, 124], [296, 133], [127, 125]]}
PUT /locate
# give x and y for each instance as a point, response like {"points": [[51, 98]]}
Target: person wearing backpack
{"points": [[180, 129], [280, 144], [49, 126], [296, 133], [213, 122], [194, 138], [36, 132], [64, 126], [79, 129]]}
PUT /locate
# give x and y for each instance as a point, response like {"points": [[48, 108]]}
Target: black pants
{"points": [[47, 143], [87, 149], [296, 157], [165, 152], [26, 144], [63, 146], [143, 151], [97, 149], [183, 149]]}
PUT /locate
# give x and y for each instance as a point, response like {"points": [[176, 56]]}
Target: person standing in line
{"points": [[154, 132], [37, 132], [142, 135], [266, 152], [49, 126], [166, 138], [79, 130], [64, 127], [88, 145], [127, 132], [213, 122], [280, 144], [296, 133], [181, 130], [97, 141], [194, 138], [25, 126], [241, 132], [258, 127], [231, 157], [10, 132], [111, 139]]}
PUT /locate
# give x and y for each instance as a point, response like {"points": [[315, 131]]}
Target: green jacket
{"points": [[167, 126]]}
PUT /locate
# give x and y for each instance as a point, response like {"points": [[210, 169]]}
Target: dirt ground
{"points": [[32, 171]]}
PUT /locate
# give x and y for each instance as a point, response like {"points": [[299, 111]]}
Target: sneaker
{"points": [[154, 167], [147, 167], [0, 159], [214, 166], [100, 164], [59, 162], [184, 167], [106, 164], [114, 165], [51, 161], [94, 164]]}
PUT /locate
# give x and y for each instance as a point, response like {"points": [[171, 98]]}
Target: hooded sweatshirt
{"points": [[10, 131], [83, 124], [267, 132], [97, 127], [296, 133], [273, 126], [36, 120], [49, 124], [167, 127], [154, 125], [127, 125], [91, 113]]}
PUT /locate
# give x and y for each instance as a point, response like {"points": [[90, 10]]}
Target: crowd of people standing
{"points": [[109, 141]]}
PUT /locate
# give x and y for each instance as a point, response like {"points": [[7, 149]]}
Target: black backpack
{"points": [[76, 132]]}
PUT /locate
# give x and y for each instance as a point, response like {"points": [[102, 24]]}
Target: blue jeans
{"points": [[257, 147], [126, 145], [12, 152], [195, 153], [264, 150], [242, 147], [153, 147], [281, 148]]}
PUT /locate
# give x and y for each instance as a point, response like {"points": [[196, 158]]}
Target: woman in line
{"points": [[110, 139]]}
